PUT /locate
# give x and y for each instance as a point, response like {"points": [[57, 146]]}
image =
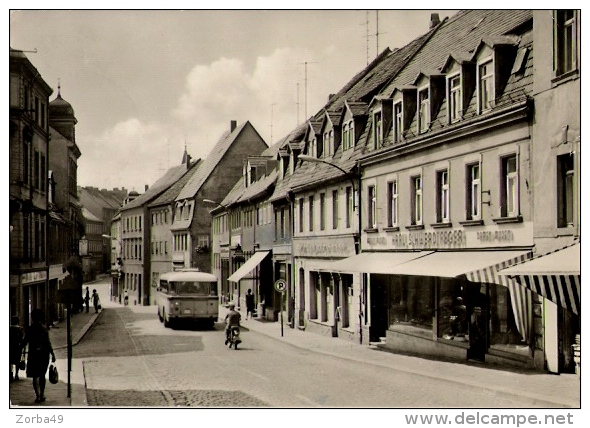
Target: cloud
{"points": [[134, 153]]}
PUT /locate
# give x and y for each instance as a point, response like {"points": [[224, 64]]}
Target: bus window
{"points": [[163, 286]]}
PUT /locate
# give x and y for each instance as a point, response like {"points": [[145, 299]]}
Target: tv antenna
{"points": [[305, 64], [271, 117], [297, 103]]}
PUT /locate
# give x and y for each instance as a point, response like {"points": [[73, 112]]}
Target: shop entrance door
{"points": [[379, 319], [478, 327]]}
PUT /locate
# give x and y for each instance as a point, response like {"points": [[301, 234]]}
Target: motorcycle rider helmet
{"points": [[231, 305]]}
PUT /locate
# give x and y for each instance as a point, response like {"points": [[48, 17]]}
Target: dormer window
{"points": [[328, 143], [455, 98], [485, 81], [378, 129], [423, 110], [397, 122], [345, 136], [313, 148], [348, 135]]}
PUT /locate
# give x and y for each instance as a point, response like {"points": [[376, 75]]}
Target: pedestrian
{"points": [[15, 346], [126, 298], [249, 304], [39, 350], [95, 300], [87, 300]]}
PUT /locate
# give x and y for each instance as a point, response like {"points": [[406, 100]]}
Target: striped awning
{"points": [[554, 275]]}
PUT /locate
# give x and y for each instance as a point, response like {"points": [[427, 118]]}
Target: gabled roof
{"points": [[161, 185], [172, 192], [88, 216], [429, 72], [357, 108], [459, 57], [210, 163], [234, 194]]}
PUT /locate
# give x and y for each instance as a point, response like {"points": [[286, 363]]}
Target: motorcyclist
{"points": [[232, 319]]}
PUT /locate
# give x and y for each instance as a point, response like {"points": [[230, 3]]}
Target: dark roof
{"points": [[234, 194], [172, 192], [163, 183], [259, 187]]}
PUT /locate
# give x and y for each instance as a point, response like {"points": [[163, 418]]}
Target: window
{"points": [[334, 209], [36, 167], [473, 192], [43, 179], [345, 137], [26, 157], [372, 198], [349, 206], [565, 190], [423, 110], [313, 148], [322, 211], [377, 131], [398, 124], [392, 204], [311, 213], [301, 215], [455, 103], [565, 41], [417, 200], [442, 196], [486, 86], [509, 189], [350, 144]]}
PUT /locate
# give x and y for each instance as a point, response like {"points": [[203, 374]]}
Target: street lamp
{"points": [[354, 178]]}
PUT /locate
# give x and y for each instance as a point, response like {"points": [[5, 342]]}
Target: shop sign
{"points": [[318, 247], [33, 277]]}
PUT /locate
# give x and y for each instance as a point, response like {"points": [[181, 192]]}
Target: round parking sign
{"points": [[280, 285]]}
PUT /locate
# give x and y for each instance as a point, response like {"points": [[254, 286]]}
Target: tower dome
{"points": [[60, 108], [61, 116]]}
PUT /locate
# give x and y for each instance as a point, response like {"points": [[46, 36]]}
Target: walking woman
{"points": [[37, 337]]}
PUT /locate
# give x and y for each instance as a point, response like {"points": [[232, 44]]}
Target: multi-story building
{"points": [[160, 216], [91, 245], [191, 221], [136, 239], [28, 190]]}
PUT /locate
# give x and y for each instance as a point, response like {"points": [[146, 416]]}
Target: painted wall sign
{"points": [[323, 247]]}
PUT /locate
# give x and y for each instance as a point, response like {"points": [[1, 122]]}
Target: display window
{"points": [[411, 304], [504, 332]]}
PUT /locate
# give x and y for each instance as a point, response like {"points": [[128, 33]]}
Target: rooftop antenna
{"points": [[367, 34], [33, 51], [377, 31], [271, 117], [305, 64], [297, 103]]}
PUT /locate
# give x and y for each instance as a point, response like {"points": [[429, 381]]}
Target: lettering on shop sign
{"points": [[426, 240], [496, 236], [322, 249], [33, 277]]}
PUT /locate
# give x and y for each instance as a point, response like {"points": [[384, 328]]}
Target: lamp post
{"points": [[355, 181], [118, 273]]}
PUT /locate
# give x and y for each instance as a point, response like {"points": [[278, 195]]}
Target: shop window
{"points": [[473, 191], [392, 208], [416, 200], [442, 196], [565, 190], [565, 40], [509, 189], [314, 292], [453, 322], [411, 304], [504, 334]]}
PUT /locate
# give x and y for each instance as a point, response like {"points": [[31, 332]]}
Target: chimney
{"points": [[434, 20], [232, 125], [188, 161], [146, 188]]}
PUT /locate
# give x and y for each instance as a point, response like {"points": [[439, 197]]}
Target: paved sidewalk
{"points": [[546, 390]]}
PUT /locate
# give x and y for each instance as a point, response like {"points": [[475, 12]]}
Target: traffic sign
{"points": [[280, 285]]}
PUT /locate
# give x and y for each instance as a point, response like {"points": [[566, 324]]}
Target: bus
{"points": [[187, 295]]}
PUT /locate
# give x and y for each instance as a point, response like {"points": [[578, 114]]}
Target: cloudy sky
{"points": [[145, 83]]}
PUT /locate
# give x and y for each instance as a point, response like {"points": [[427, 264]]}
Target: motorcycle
{"points": [[234, 337]]}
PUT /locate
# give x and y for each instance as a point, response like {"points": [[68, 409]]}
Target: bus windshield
{"points": [[193, 288]]}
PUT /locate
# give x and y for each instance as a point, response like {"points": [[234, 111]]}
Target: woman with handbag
{"points": [[37, 337], [15, 347]]}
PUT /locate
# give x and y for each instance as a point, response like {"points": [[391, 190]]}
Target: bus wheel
{"points": [[166, 322], [160, 316]]}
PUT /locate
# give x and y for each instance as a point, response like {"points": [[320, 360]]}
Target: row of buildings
{"points": [[432, 204]]}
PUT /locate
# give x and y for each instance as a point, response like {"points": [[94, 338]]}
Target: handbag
{"points": [[22, 364], [53, 374]]}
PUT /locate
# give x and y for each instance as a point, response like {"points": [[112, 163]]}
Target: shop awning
{"points": [[555, 276], [247, 267], [477, 266], [384, 263]]}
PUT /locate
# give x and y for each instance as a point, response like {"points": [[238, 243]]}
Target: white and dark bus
{"points": [[187, 295]]}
